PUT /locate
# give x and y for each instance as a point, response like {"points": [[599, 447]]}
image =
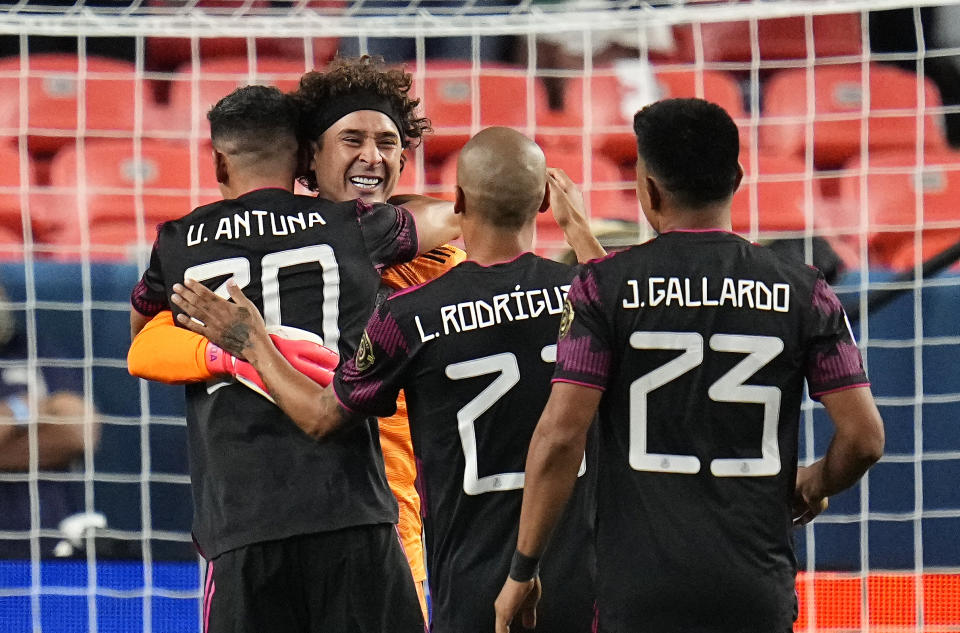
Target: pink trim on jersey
{"points": [[820, 394], [506, 261], [210, 588], [578, 383], [345, 407]]}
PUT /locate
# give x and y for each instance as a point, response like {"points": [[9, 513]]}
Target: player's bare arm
{"points": [[556, 450], [137, 322], [856, 445], [566, 203], [239, 329], [437, 224]]}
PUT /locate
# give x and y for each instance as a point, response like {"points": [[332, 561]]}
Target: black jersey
{"points": [[701, 341], [306, 263], [474, 351]]}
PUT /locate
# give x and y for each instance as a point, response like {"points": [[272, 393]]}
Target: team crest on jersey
{"points": [[364, 358], [566, 319]]}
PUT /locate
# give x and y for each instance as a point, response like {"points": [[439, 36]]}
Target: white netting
{"points": [[845, 108]]}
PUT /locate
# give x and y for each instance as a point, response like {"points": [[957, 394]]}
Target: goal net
{"points": [[849, 127]]}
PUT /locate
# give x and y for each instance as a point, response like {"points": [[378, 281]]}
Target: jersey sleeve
{"points": [[833, 359], [369, 382], [163, 352], [390, 233], [149, 296], [584, 345], [424, 268]]}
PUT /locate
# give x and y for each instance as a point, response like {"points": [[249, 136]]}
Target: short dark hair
{"points": [[350, 76], [254, 116], [691, 146]]}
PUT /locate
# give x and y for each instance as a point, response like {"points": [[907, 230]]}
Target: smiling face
{"points": [[359, 157]]}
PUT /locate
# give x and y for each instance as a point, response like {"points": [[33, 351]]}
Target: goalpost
{"points": [[845, 144]]}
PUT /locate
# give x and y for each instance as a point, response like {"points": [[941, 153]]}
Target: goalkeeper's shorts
{"points": [[355, 579]]}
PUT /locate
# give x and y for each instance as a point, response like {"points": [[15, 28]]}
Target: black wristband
{"points": [[524, 568]]}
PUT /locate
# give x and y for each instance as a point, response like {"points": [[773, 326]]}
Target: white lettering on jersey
{"points": [[683, 292], [255, 224], [478, 314]]}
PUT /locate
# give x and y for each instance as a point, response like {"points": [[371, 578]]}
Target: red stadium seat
{"points": [[780, 195], [616, 95], [168, 53], [777, 38], [427, 184], [11, 223], [53, 86], [837, 111], [502, 95], [11, 202], [218, 78], [112, 171], [895, 185]]}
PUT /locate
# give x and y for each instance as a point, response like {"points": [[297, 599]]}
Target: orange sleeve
{"points": [[167, 353], [401, 467], [424, 267]]}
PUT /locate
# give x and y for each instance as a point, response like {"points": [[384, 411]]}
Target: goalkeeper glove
{"points": [[311, 359]]}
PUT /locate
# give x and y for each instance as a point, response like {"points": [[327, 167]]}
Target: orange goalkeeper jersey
{"points": [[395, 441], [150, 357]]}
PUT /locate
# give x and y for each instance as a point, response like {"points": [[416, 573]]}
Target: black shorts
{"points": [[354, 580]]}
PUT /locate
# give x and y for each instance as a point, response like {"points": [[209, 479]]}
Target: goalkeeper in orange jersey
{"points": [[354, 153]]}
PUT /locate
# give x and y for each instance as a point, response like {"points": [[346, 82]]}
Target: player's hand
{"points": [[807, 503], [566, 199], [517, 598], [231, 326]]}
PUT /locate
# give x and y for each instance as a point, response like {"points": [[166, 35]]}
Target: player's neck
{"points": [[712, 218], [487, 246], [239, 186]]}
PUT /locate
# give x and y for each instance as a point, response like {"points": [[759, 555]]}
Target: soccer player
{"points": [[299, 535], [694, 348], [354, 152], [474, 352]]}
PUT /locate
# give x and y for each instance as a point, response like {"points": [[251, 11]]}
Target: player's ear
{"points": [[653, 193], [545, 203], [220, 164], [739, 176], [458, 201], [403, 160], [312, 156]]}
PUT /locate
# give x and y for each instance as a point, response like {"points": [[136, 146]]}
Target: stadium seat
{"points": [[616, 93], [11, 223], [53, 90], [428, 181], [218, 78], [837, 111], [169, 53], [780, 195], [894, 188], [112, 169], [777, 38], [503, 97]]}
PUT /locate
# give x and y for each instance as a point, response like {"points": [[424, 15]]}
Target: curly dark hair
{"points": [[349, 75]]}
